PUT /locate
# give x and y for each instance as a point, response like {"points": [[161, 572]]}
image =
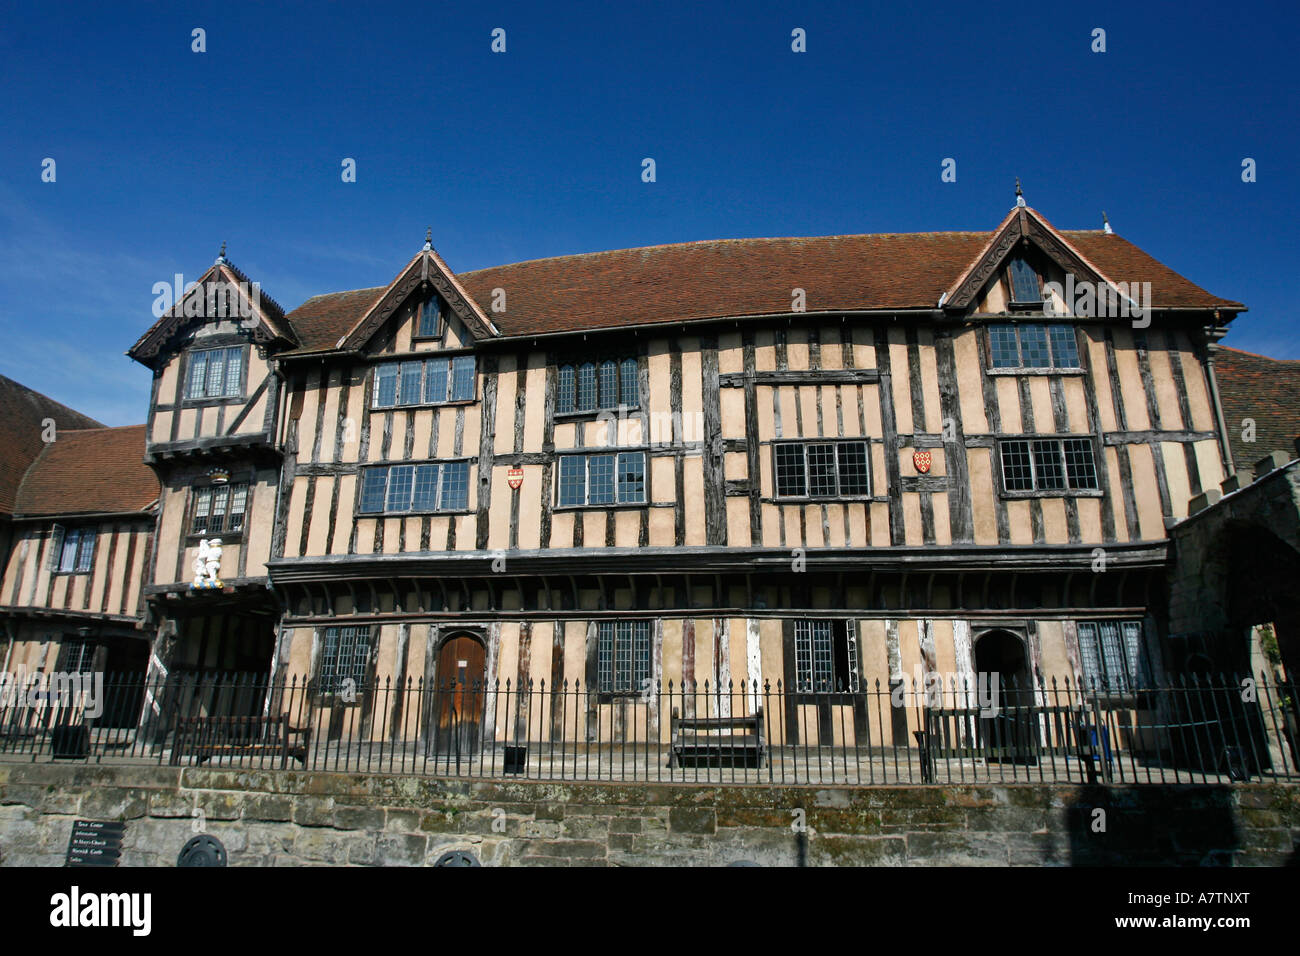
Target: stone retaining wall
{"points": [[285, 818]]}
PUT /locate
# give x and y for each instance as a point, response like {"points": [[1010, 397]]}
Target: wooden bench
{"points": [[964, 733], [206, 737], [717, 741]]}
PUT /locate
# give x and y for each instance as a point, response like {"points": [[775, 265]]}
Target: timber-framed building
{"points": [[825, 462]]}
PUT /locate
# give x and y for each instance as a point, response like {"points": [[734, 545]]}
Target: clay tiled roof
{"points": [[739, 277], [91, 471], [22, 412], [1266, 390], [324, 319], [1121, 261], [725, 277]]}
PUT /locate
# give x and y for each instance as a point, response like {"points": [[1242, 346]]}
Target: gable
{"points": [[424, 274], [1022, 235], [222, 295]]}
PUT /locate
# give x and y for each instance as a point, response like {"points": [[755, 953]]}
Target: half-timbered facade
{"points": [[72, 590], [828, 463], [212, 439]]}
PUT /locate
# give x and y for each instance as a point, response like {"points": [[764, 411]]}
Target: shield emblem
{"points": [[515, 478], [921, 459]]}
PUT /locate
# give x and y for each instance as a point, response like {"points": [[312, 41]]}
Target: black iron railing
{"points": [[1191, 730]]}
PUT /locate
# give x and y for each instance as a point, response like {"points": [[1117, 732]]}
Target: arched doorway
{"points": [[1011, 734], [1258, 591], [460, 687]]}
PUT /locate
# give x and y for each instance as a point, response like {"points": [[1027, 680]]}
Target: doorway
{"points": [[124, 676], [460, 687], [1010, 735]]}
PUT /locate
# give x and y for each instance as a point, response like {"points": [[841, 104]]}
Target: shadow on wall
{"points": [[1135, 827]]}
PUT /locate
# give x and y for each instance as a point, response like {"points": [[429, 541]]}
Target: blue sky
{"points": [[162, 152]]}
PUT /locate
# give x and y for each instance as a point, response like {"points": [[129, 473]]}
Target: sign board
{"points": [[95, 843], [515, 478]]}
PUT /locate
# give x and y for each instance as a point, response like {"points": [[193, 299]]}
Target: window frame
{"points": [[807, 476], [607, 678], [440, 323], [423, 361], [82, 553], [361, 671], [843, 652], [191, 511], [440, 464], [86, 649], [1067, 491], [1014, 302], [1022, 369], [575, 364], [240, 395], [1136, 670], [617, 454]]}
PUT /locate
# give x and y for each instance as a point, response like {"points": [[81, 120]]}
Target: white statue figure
{"points": [[207, 564]]}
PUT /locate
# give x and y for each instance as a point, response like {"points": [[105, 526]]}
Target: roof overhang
{"points": [[708, 560]]}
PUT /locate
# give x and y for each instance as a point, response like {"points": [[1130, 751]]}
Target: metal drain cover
{"points": [[458, 858], [202, 851]]}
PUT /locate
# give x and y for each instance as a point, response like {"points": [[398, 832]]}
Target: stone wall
{"points": [[270, 818], [1233, 563]]}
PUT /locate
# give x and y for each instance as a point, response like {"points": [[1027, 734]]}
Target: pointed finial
{"points": [[221, 257], [1020, 196], [1105, 223], [428, 238]]}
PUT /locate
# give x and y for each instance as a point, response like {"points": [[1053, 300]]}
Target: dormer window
{"points": [[1024, 284], [428, 324], [215, 373]]}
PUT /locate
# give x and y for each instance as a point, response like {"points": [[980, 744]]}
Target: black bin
{"points": [[70, 742]]}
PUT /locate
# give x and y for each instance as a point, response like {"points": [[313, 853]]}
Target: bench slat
{"points": [[204, 737], [733, 740]]}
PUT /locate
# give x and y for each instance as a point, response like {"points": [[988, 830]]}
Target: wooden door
{"points": [[460, 689]]}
